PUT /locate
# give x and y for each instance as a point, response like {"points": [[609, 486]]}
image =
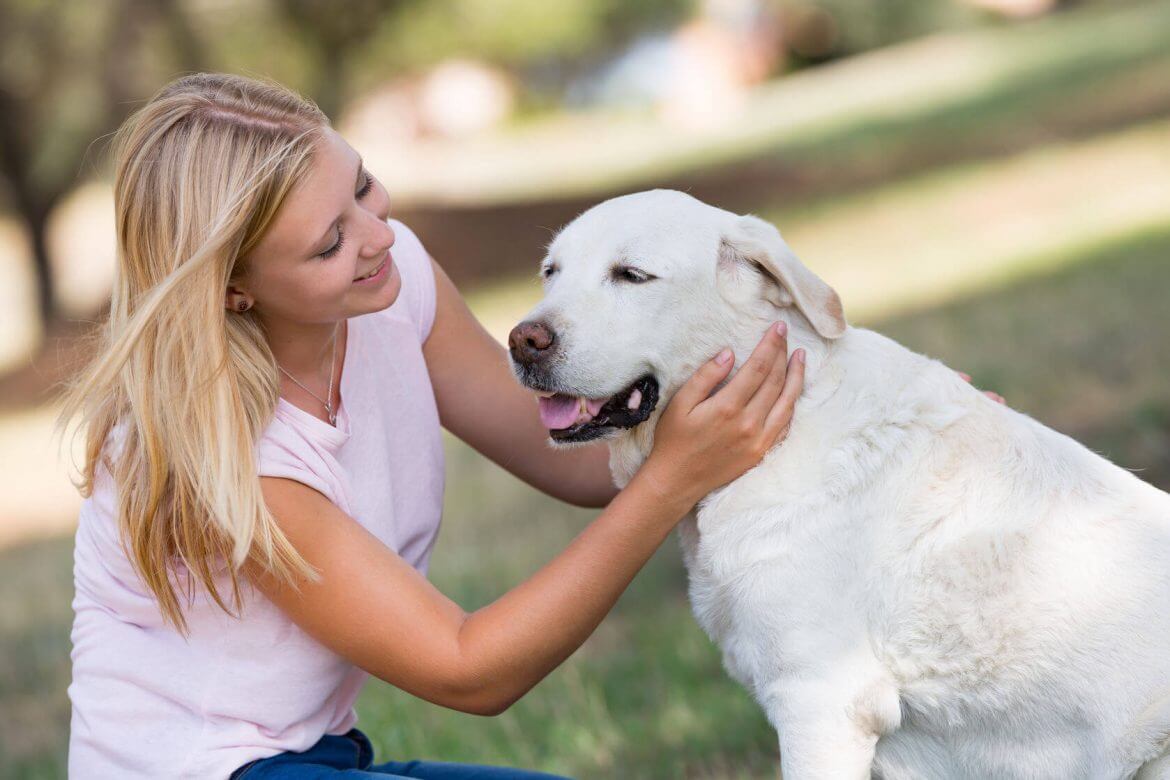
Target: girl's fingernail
{"points": [[800, 356], [723, 357], [781, 327]]}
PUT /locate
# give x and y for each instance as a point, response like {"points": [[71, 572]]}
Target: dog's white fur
{"points": [[919, 582]]}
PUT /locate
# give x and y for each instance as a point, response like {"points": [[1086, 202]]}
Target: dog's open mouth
{"points": [[573, 418]]}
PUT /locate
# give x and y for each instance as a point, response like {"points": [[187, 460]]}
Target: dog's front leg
{"points": [[827, 731]]}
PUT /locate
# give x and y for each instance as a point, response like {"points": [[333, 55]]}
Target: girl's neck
{"points": [[306, 349]]}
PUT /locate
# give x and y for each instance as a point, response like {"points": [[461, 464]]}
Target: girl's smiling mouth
{"points": [[375, 274]]}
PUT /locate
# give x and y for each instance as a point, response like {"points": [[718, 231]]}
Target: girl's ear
{"points": [[234, 297], [752, 243]]}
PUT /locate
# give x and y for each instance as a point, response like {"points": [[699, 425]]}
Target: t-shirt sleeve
{"points": [[418, 278], [279, 455]]}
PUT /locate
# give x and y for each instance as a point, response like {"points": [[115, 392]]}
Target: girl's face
{"points": [[330, 230]]}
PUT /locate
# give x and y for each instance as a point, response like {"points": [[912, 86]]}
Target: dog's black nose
{"points": [[529, 342]]}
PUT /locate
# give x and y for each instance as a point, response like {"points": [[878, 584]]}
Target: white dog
{"points": [[919, 582]]}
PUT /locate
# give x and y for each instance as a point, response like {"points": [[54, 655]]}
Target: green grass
{"points": [[36, 589]]}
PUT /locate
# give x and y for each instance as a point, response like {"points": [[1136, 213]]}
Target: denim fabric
{"points": [[351, 756]]}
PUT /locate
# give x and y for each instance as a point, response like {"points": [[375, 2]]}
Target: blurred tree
{"points": [[334, 35], [71, 72], [860, 25], [551, 41]]}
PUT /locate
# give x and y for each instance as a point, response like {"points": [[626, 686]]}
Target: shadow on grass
{"points": [[1083, 350]]}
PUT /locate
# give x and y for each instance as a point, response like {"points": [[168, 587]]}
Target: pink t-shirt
{"points": [[149, 703]]}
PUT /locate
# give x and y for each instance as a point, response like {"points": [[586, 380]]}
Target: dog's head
{"points": [[639, 291]]}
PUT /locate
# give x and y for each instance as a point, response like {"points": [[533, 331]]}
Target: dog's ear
{"points": [[752, 241]]}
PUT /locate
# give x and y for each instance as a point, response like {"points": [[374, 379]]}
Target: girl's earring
{"points": [[243, 306]]}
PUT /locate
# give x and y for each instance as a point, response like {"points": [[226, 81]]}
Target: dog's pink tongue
{"points": [[563, 411], [558, 412]]}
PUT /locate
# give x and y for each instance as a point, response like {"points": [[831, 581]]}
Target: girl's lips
{"points": [[381, 274]]}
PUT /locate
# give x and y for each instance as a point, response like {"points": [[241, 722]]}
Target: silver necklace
{"points": [[332, 367]]}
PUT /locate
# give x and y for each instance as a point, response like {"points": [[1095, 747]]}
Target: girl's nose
{"points": [[381, 236]]}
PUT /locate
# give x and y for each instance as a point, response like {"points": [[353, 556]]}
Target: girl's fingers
{"points": [[696, 389], [769, 390], [780, 415], [756, 369], [999, 399]]}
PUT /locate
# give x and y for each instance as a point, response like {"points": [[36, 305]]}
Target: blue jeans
{"points": [[351, 756]]}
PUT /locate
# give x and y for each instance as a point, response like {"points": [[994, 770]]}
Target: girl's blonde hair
{"points": [[200, 171]]}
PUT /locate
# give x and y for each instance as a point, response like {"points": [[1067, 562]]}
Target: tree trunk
{"points": [[331, 81], [37, 223]]}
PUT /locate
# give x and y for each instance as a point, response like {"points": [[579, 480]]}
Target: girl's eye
{"points": [[369, 185], [331, 251]]}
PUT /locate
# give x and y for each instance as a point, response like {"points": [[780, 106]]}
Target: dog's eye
{"points": [[624, 273], [548, 271]]}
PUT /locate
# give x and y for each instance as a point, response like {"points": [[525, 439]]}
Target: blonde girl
{"points": [[264, 473]]}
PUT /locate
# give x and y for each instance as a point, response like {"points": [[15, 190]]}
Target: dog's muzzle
{"points": [[570, 417]]}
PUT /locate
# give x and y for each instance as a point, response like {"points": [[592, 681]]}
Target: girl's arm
{"points": [[481, 402], [371, 607]]}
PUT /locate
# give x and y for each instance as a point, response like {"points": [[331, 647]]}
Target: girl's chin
{"points": [[387, 293]]}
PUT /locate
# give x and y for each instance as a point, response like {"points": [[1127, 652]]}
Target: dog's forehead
{"points": [[645, 225]]}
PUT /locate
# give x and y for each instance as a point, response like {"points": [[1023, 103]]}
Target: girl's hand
{"points": [[702, 443], [999, 399]]}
